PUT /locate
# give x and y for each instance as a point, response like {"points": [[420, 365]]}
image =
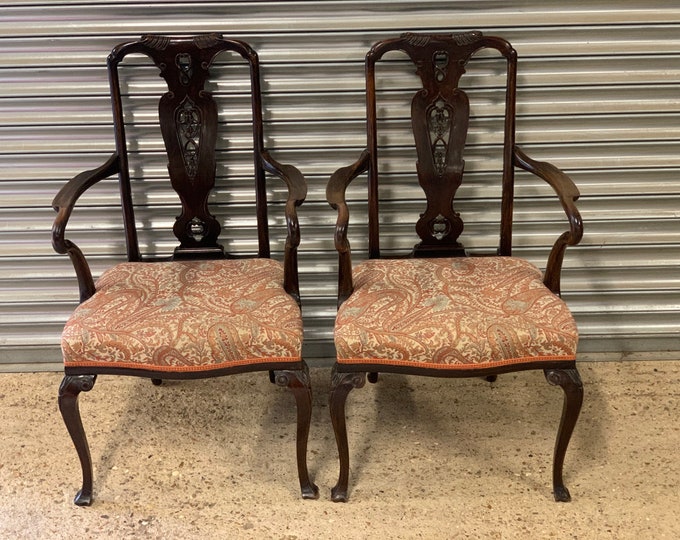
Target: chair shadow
{"points": [[209, 419], [234, 418], [474, 419]]}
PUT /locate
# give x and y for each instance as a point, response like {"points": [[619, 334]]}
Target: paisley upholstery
{"points": [[452, 313], [186, 316]]}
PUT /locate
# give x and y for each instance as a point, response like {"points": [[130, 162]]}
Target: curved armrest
{"points": [[297, 192], [568, 194], [335, 193], [64, 203]]}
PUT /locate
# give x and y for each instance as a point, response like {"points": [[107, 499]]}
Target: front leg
{"points": [[570, 381], [299, 383], [70, 387], [341, 385]]}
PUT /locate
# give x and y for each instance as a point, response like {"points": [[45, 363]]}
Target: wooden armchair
{"points": [[202, 311], [436, 310]]}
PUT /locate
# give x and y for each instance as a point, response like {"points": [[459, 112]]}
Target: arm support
{"points": [[568, 194], [297, 191], [64, 203], [335, 193]]}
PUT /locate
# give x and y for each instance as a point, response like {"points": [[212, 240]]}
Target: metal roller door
{"points": [[598, 95]]}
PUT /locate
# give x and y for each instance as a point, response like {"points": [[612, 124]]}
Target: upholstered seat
{"points": [[453, 313], [186, 316]]}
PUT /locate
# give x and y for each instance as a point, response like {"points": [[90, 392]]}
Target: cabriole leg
{"points": [[341, 385], [570, 381], [70, 387], [299, 383]]}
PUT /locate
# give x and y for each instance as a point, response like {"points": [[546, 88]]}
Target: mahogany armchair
{"points": [[200, 311], [438, 310]]}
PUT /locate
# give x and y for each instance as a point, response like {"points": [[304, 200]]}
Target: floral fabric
{"points": [[452, 313], [186, 316]]}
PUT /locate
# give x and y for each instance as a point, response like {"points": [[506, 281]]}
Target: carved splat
{"points": [[188, 117], [440, 114]]}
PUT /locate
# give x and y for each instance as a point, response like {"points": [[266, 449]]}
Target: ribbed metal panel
{"points": [[598, 95]]}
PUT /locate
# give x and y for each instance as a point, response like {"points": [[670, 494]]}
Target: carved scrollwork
{"points": [[159, 43], [421, 40], [354, 379], [439, 123], [416, 40], [74, 384], [288, 377], [188, 120], [282, 378], [467, 38], [564, 377]]}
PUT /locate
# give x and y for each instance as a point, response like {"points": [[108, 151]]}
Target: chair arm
{"points": [[335, 194], [63, 203], [297, 192], [568, 194]]}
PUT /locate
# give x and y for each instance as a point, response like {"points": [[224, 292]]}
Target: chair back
{"points": [[188, 118], [440, 117]]}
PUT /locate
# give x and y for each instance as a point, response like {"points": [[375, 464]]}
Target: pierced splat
{"points": [[440, 117], [440, 114], [188, 118]]}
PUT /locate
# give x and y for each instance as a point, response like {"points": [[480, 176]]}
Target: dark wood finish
{"points": [[189, 124], [570, 381], [568, 194], [341, 385], [70, 389], [439, 119], [299, 383], [64, 203]]}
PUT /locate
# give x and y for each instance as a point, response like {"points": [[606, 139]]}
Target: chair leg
{"points": [[69, 389], [373, 377], [299, 383], [570, 381], [341, 385]]}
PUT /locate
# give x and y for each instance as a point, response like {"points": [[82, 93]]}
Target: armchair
{"points": [[437, 310], [204, 311]]}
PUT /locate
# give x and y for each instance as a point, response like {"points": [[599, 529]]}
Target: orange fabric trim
{"points": [[184, 369], [431, 365]]}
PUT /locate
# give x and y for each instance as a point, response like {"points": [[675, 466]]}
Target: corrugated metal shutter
{"points": [[599, 95]]}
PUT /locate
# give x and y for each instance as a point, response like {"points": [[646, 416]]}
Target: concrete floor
{"points": [[431, 458]]}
